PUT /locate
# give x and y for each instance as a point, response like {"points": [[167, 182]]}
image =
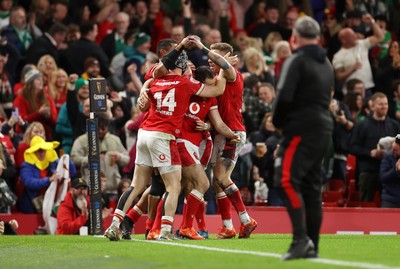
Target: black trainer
{"points": [[299, 249], [126, 227]]}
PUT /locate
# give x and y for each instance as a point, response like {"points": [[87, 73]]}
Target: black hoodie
{"points": [[304, 93]]}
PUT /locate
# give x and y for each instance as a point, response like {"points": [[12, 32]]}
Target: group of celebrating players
{"points": [[174, 144]]}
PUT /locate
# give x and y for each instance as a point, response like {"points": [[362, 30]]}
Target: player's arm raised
{"points": [[224, 62]]}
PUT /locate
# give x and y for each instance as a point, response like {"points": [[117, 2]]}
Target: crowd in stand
{"points": [[49, 49]]}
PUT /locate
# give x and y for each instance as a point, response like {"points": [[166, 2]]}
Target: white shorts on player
{"points": [[157, 149], [191, 154]]}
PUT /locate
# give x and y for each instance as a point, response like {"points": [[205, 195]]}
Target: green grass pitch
{"points": [[260, 251]]}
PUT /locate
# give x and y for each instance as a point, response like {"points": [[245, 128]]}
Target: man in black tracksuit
{"points": [[301, 112]]}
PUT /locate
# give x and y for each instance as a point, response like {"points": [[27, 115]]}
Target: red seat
{"points": [[337, 185], [329, 197], [354, 200], [350, 167]]}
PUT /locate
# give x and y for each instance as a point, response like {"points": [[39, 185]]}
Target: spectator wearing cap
{"points": [[136, 54], [73, 212], [73, 58], [352, 61], [390, 176], [307, 126], [114, 42], [48, 43], [63, 126], [92, 68], [330, 32], [37, 171], [34, 104]]}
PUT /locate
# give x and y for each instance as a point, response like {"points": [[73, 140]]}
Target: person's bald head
{"points": [[347, 37]]}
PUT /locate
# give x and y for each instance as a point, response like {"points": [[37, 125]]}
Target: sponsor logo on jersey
{"points": [[194, 108]]}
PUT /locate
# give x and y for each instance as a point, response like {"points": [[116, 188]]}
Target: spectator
{"points": [[113, 156], [17, 32], [58, 87], [48, 43], [279, 54], [63, 126], [34, 104], [267, 24], [363, 144], [37, 171], [19, 85], [270, 41], [254, 63], [291, 16], [351, 61], [12, 64], [114, 42], [266, 93], [119, 59], [73, 33], [342, 126], [387, 72], [5, 7], [265, 141], [390, 176], [330, 32], [91, 66], [253, 107], [141, 19], [6, 92], [137, 54], [35, 128], [7, 168], [260, 188], [73, 212], [354, 101], [47, 65], [78, 106], [396, 99], [84, 47]]}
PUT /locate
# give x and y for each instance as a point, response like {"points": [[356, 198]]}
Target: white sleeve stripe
{"points": [[201, 89]]}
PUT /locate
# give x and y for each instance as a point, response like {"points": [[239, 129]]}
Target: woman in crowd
{"points": [[34, 104], [58, 87]]}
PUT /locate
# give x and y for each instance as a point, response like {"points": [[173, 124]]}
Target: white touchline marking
{"points": [[274, 255]]}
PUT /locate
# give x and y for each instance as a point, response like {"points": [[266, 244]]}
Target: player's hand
{"points": [[201, 125], [232, 59], [235, 140], [143, 101]]}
